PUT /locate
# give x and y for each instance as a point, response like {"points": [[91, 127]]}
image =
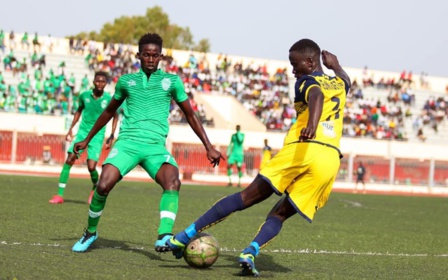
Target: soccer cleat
{"points": [[56, 199], [239, 185], [247, 263], [176, 247], [161, 245], [90, 197], [229, 184], [84, 243]]}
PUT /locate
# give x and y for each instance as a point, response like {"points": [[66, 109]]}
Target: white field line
{"points": [[226, 249]]}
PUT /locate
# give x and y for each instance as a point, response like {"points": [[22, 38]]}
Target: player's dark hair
{"points": [[101, 73], [150, 38], [305, 46]]}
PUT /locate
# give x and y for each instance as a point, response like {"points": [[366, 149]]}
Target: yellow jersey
{"points": [[334, 89]]}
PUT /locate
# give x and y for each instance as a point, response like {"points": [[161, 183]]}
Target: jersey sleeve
{"points": [[346, 84], [178, 91], [81, 101], [302, 88], [120, 92]]}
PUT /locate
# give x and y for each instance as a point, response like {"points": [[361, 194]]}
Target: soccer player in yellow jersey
{"points": [[267, 154], [304, 169]]}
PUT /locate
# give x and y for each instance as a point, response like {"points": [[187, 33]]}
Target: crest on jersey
{"points": [[131, 83], [103, 104], [87, 100], [166, 83], [113, 153]]}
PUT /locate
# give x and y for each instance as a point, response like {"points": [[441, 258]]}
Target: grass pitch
{"points": [[352, 237]]}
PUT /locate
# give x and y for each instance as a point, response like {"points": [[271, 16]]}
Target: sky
{"points": [[388, 35]]}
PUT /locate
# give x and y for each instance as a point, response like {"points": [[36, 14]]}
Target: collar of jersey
{"points": [[93, 96], [145, 80]]}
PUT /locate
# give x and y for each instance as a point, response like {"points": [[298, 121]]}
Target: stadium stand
{"points": [[224, 90]]}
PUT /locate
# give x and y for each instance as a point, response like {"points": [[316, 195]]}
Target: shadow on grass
{"points": [[264, 263], [103, 243], [75, 201]]}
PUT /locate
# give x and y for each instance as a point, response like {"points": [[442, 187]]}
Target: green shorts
{"points": [[93, 149], [236, 159], [127, 154]]}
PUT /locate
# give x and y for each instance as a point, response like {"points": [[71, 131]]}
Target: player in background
{"points": [[235, 155], [267, 154], [91, 104], [307, 165], [360, 173], [146, 95]]}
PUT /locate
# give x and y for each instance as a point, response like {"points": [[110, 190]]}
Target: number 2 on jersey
{"points": [[335, 108]]}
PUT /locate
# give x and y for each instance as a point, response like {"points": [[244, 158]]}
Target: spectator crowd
{"points": [[43, 90]]}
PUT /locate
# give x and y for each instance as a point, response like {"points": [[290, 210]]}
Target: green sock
{"points": [[240, 174], [229, 173], [63, 178], [95, 211], [94, 178], [169, 203]]}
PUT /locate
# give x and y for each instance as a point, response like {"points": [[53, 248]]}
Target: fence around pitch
{"points": [[191, 158]]}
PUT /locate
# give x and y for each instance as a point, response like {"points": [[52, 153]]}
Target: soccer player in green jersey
{"points": [[91, 104], [235, 155], [142, 138]]}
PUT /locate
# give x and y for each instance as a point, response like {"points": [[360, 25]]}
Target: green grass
{"points": [[352, 237]]}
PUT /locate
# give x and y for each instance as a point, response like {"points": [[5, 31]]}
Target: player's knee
{"points": [[91, 167], [70, 160], [172, 184], [103, 188]]}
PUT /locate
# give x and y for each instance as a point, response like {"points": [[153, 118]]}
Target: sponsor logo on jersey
{"points": [[103, 104], [166, 83], [328, 129]]}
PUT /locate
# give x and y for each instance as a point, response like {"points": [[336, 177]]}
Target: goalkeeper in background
{"points": [[235, 155]]}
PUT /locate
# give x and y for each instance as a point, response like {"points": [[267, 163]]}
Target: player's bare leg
{"points": [[168, 178], [91, 166]]}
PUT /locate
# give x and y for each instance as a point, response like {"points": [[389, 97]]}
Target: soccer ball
{"points": [[202, 251]]}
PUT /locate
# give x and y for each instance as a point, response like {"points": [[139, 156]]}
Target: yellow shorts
{"points": [[305, 172]]}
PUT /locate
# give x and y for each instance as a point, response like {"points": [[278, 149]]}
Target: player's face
{"points": [[99, 83], [301, 64], [149, 57]]}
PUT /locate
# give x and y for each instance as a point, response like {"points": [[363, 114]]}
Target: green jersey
{"points": [[236, 144], [147, 105], [92, 109]]}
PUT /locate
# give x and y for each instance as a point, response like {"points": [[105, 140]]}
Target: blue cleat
{"points": [[176, 247], [247, 263], [161, 244], [84, 243]]}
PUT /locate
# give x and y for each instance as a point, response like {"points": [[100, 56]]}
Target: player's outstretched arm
{"points": [[110, 140], [76, 117], [213, 155], [331, 62], [315, 105]]}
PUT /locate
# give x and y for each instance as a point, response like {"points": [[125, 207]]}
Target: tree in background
{"points": [[128, 29]]}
